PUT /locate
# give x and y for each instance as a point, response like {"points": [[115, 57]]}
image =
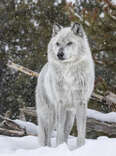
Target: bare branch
{"points": [[22, 69]]}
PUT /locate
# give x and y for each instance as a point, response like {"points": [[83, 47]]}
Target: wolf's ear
{"points": [[56, 29], [77, 29]]}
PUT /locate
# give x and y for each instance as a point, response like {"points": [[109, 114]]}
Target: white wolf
{"points": [[65, 85]]}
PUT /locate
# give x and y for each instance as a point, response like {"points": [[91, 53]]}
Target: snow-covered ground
{"points": [[28, 146]]}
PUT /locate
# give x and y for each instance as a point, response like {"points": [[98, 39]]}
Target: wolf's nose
{"points": [[60, 55]]}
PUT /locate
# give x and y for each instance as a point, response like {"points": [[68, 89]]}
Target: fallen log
{"points": [[10, 128], [96, 128], [13, 133], [10, 124]]}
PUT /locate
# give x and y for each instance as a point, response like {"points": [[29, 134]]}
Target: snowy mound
{"points": [[28, 145]]}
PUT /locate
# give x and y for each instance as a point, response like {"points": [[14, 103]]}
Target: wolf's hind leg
{"points": [[41, 133], [49, 127], [81, 123], [60, 122]]}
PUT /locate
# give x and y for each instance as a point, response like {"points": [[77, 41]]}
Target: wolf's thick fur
{"points": [[65, 85]]}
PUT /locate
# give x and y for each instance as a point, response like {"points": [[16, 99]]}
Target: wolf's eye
{"points": [[57, 43], [69, 43]]}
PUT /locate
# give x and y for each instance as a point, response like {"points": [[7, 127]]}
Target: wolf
{"points": [[65, 85]]}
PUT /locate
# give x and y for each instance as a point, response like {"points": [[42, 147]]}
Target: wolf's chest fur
{"points": [[71, 77], [67, 77], [63, 82]]}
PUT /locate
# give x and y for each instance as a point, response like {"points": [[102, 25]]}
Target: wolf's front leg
{"points": [[46, 126], [60, 122], [81, 122], [41, 133], [70, 116]]}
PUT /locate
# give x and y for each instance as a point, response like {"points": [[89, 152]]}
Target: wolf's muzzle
{"points": [[60, 55]]}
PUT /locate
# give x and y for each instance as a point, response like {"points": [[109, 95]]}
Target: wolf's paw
{"points": [[80, 142]]}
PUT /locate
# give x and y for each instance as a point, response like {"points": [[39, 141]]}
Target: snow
{"points": [[35, 1], [18, 48], [34, 22], [6, 48], [108, 117], [81, 19], [113, 2], [28, 145], [30, 127], [101, 15], [73, 1], [26, 1]]}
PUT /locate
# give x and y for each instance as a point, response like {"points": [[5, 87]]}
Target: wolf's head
{"points": [[68, 44]]}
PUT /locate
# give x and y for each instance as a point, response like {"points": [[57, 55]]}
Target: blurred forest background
{"points": [[25, 30]]}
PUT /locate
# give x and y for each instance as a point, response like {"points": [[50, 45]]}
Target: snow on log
{"points": [[101, 124]]}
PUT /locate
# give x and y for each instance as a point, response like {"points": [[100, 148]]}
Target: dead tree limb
{"points": [[29, 111], [22, 69], [13, 133], [109, 100], [96, 128]]}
